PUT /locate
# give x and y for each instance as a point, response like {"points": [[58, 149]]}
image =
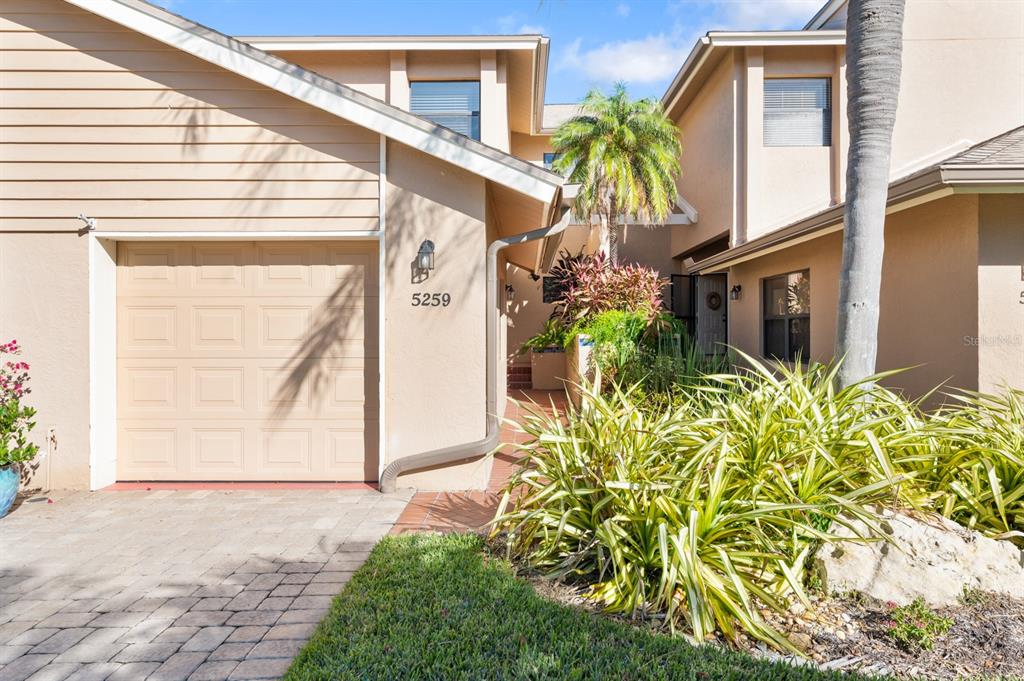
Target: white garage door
{"points": [[247, 361]]}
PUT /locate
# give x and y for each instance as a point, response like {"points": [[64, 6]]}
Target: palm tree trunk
{"points": [[874, 37], [613, 242], [604, 235]]}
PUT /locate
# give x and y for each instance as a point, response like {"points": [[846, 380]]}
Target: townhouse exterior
{"points": [[280, 271], [770, 109]]}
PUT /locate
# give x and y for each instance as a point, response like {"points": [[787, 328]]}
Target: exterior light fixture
{"points": [[735, 291], [510, 293], [425, 256]]}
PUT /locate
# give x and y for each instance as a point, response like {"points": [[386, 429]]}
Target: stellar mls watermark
{"points": [[1003, 340]]}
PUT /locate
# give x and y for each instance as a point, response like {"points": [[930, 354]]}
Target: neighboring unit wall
{"points": [[1000, 336], [530, 147], [435, 364], [929, 307], [963, 77], [143, 137], [708, 133]]}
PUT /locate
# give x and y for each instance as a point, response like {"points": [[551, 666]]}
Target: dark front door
{"points": [[700, 302]]}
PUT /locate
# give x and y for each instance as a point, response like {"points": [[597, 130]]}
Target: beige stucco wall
{"points": [[44, 304], [1000, 335], [928, 303], [434, 356], [708, 134], [530, 147], [962, 76], [790, 181], [528, 312]]}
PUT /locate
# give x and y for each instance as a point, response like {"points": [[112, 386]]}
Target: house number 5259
{"points": [[431, 299]]}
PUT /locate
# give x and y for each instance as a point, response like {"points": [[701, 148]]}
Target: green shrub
{"points": [[553, 335], [708, 510], [973, 468], [916, 625], [706, 506], [616, 336]]}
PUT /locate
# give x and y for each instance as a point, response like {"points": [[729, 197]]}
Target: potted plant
{"points": [[15, 423], [547, 356]]}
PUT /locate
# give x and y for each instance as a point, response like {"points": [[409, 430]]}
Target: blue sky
{"points": [[594, 43]]}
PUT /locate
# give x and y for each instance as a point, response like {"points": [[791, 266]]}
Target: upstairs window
{"points": [[787, 316], [798, 112], [453, 104]]}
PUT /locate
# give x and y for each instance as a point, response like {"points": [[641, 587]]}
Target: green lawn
{"points": [[433, 607]]}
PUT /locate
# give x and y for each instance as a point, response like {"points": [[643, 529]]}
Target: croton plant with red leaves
{"points": [[596, 286]]}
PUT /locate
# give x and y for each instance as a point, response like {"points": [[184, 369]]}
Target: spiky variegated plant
{"points": [[624, 154]]}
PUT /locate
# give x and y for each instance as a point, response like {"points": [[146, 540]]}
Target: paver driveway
{"points": [[176, 584]]}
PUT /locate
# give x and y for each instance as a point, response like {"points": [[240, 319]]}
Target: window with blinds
{"points": [[798, 112], [453, 104]]}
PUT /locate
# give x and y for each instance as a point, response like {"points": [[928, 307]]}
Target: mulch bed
{"points": [[986, 640], [851, 634]]}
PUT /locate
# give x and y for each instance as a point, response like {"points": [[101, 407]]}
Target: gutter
{"points": [[474, 450]]}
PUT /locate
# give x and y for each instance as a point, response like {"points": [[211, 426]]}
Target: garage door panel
{"points": [[218, 452], [147, 390], [148, 450], [247, 361]]}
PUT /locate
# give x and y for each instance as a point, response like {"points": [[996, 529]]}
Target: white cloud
{"points": [[515, 24], [765, 14], [622, 9], [645, 60]]}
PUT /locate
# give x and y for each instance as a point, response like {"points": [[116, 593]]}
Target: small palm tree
{"points": [[624, 154]]}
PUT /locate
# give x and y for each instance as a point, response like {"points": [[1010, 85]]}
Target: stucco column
{"points": [[754, 140], [494, 129], [398, 82]]}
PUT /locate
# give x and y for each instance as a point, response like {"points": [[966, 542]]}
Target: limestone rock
{"points": [[934, 559]]}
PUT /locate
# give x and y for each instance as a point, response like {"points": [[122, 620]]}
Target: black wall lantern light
{"points": [[735, 291], [510, 293], [425, 256]]}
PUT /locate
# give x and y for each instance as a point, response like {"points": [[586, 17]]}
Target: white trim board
{"points": [[353, 43], [294, 81], [103, 331], [382, 311], [102, 362], [241, 235]]}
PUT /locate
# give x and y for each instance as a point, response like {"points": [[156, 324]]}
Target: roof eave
{"points": [[821, 17], [393, 42], [713, 40]]}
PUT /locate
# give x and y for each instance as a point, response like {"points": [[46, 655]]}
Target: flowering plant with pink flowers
{"points": [[15, 418]]}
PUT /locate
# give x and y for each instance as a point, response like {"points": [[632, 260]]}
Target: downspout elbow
{"points": [[473, 450]]}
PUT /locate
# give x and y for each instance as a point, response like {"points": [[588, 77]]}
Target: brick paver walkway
{"points": [[176, 585], [462, 511]]}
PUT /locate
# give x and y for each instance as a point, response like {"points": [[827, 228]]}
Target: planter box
{"points": [[547, 369], [579, 366]]}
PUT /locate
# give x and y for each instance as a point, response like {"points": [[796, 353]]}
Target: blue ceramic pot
{"points": [[9, 480]]}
